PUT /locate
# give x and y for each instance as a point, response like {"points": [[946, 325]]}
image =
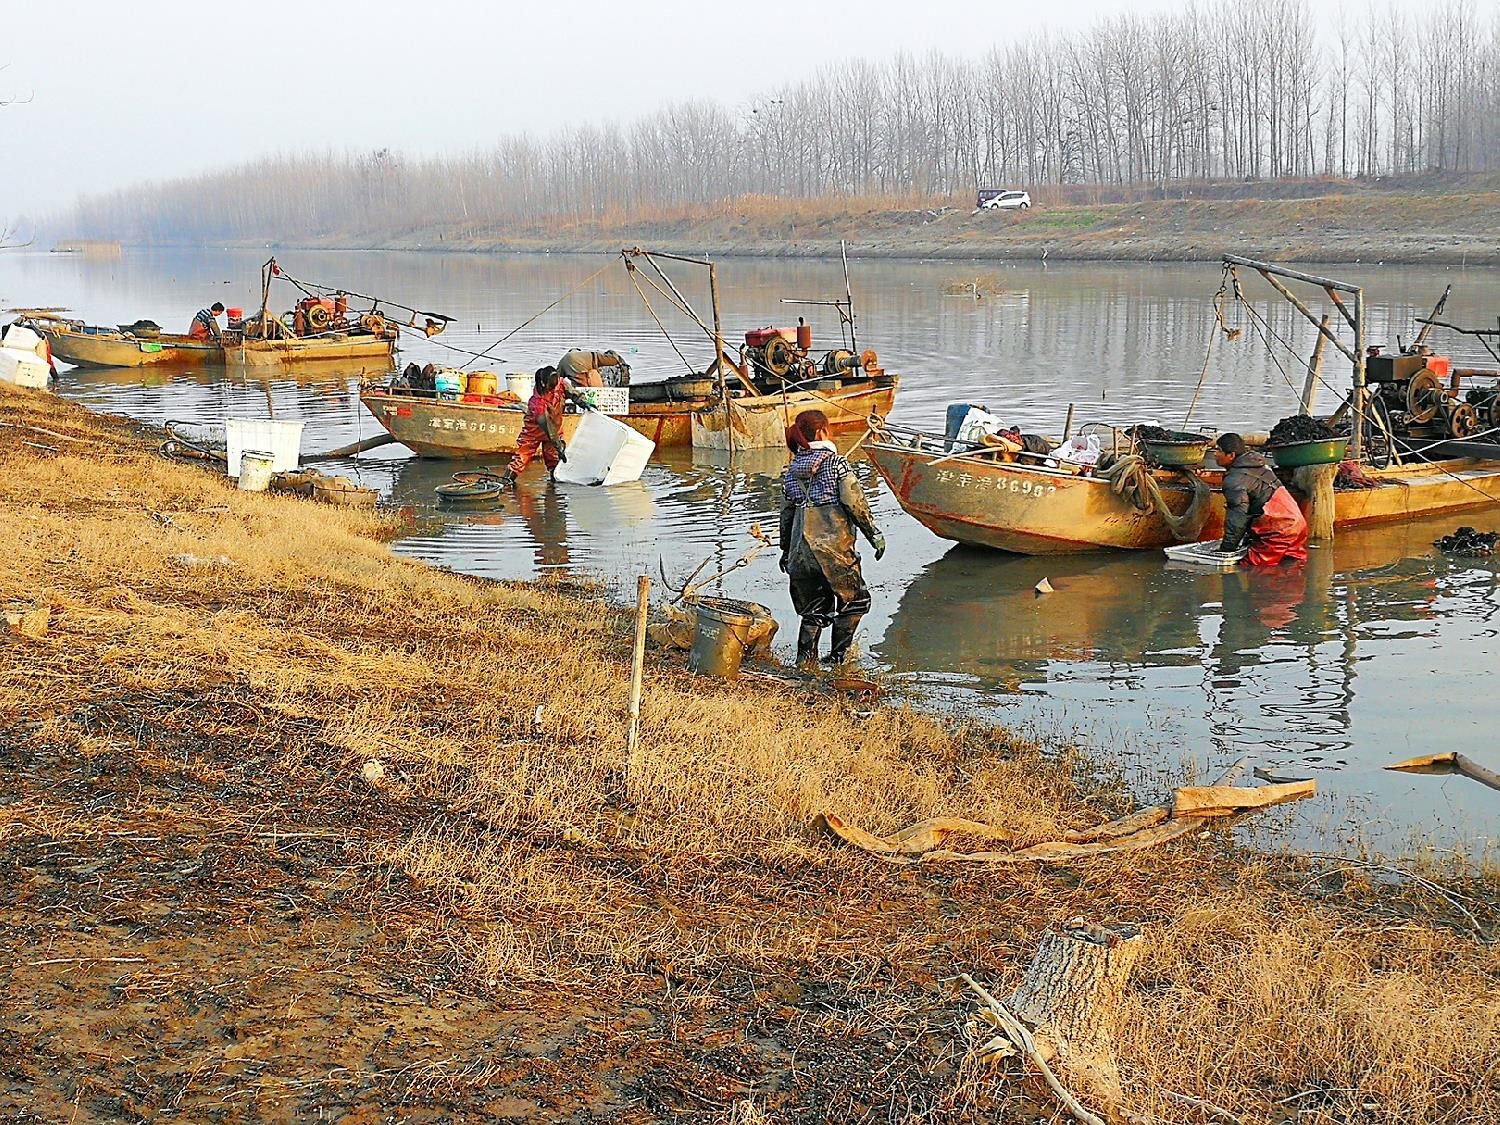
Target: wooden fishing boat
{"points": [[1036, 509], [432, 427], [321, 327], [1028, 508], [88, 346]]}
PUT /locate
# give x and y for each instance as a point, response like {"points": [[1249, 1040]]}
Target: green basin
{"points": [[1185, 452], [1328, 451]]}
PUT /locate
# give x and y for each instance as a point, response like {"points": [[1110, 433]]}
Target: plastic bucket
{"points": [[481, 383], [255, 471], [720, 637], [520, 384]]}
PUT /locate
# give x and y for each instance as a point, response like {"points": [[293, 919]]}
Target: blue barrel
{"points": [[957, 412]]}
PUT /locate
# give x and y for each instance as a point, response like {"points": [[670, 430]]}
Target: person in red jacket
{"points": [[1258, 508], [542, 430]]}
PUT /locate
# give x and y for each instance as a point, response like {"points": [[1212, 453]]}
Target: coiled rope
{"points": [[1132, 479]]}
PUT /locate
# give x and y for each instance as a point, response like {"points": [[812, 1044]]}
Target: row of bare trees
{"points": [[1228, 90]]}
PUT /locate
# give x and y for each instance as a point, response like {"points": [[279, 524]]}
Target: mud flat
{"points": [[291, 828]]}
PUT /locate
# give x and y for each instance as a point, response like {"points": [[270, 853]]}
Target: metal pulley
{"points": [[778, 356], [318, 317], [1424, 395], [1463, 420]]}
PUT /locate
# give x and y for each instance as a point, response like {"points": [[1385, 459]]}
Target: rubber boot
{"points": [[807, 645], [843, 637], [507, 479]]}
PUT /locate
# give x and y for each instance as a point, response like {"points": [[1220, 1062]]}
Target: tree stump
{"points": [[1316, 483], [1071, 996]]}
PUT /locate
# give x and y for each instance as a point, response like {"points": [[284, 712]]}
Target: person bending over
{"points": [[1258, 508], [205, 324]]}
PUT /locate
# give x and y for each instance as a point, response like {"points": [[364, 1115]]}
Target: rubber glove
{"points": [[562, 451], [879, 545], [783, 564]]}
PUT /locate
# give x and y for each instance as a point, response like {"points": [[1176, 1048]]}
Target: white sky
{"points": [[118, 92]]}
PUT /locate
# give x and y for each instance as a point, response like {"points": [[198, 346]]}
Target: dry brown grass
{"points": [[208, 706]]}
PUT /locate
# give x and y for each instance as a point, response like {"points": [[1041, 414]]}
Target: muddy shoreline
{"points": [[291, 828]]}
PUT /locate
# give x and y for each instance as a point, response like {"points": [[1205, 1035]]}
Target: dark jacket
{"points": [[1249, 485], [822, 506]]}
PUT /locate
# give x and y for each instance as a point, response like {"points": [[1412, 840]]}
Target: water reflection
{"points": [[1377, 650]]}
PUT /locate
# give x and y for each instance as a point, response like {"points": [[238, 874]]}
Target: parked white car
{"points": [[1004, 201]]}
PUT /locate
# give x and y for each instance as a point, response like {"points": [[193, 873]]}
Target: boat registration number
{"points": [[464, 424], [1002, 484]]}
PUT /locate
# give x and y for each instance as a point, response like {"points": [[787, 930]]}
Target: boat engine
{"points": [[1413, 388], [313, 315], [776, 352]]}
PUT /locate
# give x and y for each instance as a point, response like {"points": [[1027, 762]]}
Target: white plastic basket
{"points": [[1204, 556], [282, 440], [606, 400]]}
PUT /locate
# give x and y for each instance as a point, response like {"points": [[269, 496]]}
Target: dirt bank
{"points": [[1445, 222], [285, 836]]}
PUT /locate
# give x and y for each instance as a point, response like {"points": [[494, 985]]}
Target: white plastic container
{"points": [[22, 339], [282, 440], [24, 368], [520, 384], [604, 451], [255, 471]]}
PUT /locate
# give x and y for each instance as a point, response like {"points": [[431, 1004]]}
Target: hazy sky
{"points": [[121, 92]]}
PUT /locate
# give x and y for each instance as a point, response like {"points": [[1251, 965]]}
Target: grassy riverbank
{"points": [[1448, 221], [216, 904]]}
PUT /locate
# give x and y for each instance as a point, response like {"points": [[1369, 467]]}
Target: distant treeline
{"points": [[1229, 90]]}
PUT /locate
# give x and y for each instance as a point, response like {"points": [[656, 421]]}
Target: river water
{"points": [[1379, 650]]}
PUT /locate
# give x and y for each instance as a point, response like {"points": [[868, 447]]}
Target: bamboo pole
{"points": [[637, 666], [1297, 303], [1314, 370], [1068, 424], [1357, 445]]}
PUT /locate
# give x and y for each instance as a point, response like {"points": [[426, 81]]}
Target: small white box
{"points": [[607, 400], [25, 369], [282, 440], [604, 451]]}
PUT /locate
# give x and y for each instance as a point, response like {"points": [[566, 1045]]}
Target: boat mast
{"points": [[1355, 319]]}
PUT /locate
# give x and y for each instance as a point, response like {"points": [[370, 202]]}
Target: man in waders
{"points": [[822, 505], [1258, 507], [542, 430]]}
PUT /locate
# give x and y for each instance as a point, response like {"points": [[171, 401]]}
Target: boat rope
{"points": [[1132, 479], [475, 357], [1213, 335], [313, 289], [645, 300]]}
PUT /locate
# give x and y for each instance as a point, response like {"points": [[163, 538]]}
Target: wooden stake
{"points": [[1314, 369], [637, 665], [1068, 424]]}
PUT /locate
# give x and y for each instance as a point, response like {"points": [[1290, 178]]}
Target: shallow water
{"points": [[1380, 650]]}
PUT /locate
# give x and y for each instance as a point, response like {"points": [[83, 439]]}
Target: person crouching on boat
{"points": [[542, 430], [1258, 508], [205, 324], [822, 505]]}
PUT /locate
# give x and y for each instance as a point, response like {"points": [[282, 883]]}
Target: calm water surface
{"points": [[1379, 650]]}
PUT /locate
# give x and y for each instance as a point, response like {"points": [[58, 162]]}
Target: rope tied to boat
{"points": [[1132, 479]]}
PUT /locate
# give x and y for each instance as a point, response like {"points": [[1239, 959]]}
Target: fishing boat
{"points": [[321, 326], [1036, 505], [1413, 443], [738, 403], [433, 427]]}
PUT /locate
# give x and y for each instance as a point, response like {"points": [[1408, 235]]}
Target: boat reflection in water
{"points": [[1215, 666]]}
